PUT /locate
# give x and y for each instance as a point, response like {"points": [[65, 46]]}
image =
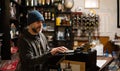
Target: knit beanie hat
{"points": [[34, 16]]}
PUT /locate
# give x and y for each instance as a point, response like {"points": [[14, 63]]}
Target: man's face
{"points": [[36, 27]]}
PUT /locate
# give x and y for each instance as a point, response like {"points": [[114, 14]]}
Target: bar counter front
{"points": [[89, 57]]}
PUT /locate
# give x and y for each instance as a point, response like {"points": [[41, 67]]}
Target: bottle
{"points": [[106, 53], [46, 15], [114, 54], [47, 2], [58, 35], [53, 17], [58, 21], [39, 2], [27, 3], [35, 2], [49, 15], [43, 2], [83, 19], [116, 37], [67, 33], [32, 3], [52, 2], [68, 67]]}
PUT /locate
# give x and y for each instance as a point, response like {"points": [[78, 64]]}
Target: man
{"points": [[33, 48]]}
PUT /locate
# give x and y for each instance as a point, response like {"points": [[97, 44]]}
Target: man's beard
{"points": [[36, 30]]}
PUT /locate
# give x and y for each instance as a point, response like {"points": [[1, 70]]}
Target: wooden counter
{"points": [[106, 64]]}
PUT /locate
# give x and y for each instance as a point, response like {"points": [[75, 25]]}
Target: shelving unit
{"points": [[84, 27], [58, 21], [64, 35], [15, 27], [4, 30], [48, 12], [9, 14]]}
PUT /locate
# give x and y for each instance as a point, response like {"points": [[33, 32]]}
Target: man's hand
{"points": [[60, 49]]}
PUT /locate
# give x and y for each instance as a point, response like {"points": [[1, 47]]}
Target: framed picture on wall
{"points": [[91, 3], [118, 13]]}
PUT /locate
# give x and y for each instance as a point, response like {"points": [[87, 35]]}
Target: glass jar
{"points": [[69, 4]]}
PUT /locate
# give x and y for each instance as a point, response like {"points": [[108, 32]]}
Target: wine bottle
{"points": [[35, 2], [52, 2], [39, 2], [49, 15], [53, 17], [32, 3], [48, 2], [27, 3], [43, 2], [45, 15], [67, 33]]}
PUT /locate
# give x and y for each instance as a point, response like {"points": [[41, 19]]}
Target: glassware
{"points": [[69, 4]]}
